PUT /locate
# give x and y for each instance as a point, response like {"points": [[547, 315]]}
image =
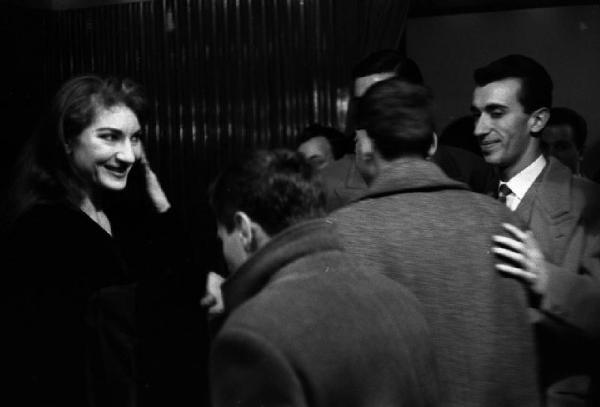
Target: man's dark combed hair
{"points": [[337, 140], [277, 189], [389, 60], [536, 84], [569, 117], [397, 116]]}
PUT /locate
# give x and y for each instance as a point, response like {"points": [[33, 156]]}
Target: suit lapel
{"points": [[546, 208]]}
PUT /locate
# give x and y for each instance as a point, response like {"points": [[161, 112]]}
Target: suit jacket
{"points": [[562, 211], [431, 234], [343, 183], [305, 327]]}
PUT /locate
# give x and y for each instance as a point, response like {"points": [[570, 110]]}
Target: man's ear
{"points": [[243, 226], [252, 235], [538, 120], [434, 145]]}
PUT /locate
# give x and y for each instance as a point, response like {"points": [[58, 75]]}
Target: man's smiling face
{"points": [[502, 127]]}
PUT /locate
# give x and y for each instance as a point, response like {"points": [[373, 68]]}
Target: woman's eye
{"points": [[109, 136]]}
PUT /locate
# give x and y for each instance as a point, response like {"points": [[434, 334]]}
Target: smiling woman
{"points": [[65, 258]]}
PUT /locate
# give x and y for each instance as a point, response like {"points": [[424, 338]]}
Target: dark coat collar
{"points": [[411, 175], [293, 243]]}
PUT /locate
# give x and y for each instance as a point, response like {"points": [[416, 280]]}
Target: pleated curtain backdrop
{"points": [[224, 76]]}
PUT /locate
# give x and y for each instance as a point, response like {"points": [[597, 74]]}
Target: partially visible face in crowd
{"points": [[559, 141], [317, 151], [106, 150], [363, 147], [233, 248], [502, 127]]}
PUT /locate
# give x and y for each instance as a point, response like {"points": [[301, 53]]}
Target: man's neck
{"points": [[531, 154], [384, 165]]}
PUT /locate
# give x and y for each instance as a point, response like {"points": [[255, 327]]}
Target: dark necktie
{"points": [[503, 192]]}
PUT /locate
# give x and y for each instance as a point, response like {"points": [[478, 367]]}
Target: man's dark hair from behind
{"points": [[389, 60], [337, 140], [275, 188], [536, 84], [560, 116], [397, 116]]}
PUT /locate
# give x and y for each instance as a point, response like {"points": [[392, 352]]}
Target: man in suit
{"points": [[303, 325], [347, 178], [558, 256], [430, 233]]}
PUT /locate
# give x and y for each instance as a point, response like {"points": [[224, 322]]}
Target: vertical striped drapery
{"points": [[224, 76]]}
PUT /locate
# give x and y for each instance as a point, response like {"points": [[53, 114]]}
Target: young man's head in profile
{"points": [[260, 196]]}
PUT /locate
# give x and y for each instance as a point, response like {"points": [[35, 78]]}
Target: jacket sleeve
{"points": [[246, 370], [573, 293]]}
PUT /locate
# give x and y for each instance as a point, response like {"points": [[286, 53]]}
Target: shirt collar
{"points": [[520, 183]]}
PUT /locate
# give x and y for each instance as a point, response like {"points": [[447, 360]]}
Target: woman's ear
{"points": [[539, 119]]}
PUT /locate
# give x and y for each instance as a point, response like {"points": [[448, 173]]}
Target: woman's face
{"points": [[105, 151]]}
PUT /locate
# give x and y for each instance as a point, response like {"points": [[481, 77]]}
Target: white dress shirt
{"points": [[520, 183]]}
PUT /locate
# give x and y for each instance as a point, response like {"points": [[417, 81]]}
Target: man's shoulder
{"points": [[462, 200], [586, 195], [560, 183]]}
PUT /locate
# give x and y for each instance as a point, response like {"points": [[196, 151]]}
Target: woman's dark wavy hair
{"points": [[277, 189], [44, 172]]}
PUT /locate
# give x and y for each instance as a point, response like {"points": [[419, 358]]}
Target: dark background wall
{"points": [[229, 76], [566, 40], [223, 76]]}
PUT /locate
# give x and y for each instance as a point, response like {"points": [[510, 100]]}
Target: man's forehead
{"points": [[503, 92]]}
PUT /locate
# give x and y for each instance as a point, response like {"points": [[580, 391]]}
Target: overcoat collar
{"points": [[411, 175], [293, 243]]}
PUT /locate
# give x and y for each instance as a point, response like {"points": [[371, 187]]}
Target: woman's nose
{"points": [[126, 152]]}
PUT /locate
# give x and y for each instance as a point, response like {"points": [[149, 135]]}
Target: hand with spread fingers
{"points": [[527, 261]]}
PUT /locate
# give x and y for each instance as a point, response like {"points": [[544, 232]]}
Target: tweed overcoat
{"points": [[304, 327], [343, 183], [430, 233]]}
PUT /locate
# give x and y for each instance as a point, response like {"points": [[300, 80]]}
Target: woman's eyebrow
{"points": [[110, 129]]}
